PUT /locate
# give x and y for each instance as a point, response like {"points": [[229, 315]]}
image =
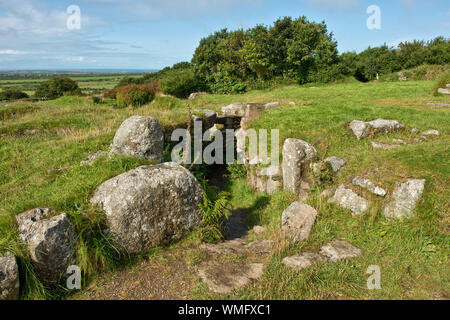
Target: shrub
{"points": [[56, 87], [180, 83], [12, 94], [442, 82], [136, 95], [96, 100]]}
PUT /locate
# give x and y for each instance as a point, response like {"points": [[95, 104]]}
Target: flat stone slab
{"points": [[362, 129], [339, 249], [260, 247], [444, 91], [384, 146], [229, 247], [303, 260], [224, 278], [404, 199], [348, 199], [297, 221], [431, 133], [437, 104], [369, 185]]}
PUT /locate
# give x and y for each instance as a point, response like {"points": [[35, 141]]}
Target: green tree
{"points": [[56, 87]]}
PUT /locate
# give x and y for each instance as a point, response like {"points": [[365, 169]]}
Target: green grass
{"points": [[41, 169]]}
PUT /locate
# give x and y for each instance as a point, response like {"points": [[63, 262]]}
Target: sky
{"points": [[153, 34]]}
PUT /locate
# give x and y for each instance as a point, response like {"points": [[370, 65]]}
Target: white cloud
{"points": [[10, 52]]}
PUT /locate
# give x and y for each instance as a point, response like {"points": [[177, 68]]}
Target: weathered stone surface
{"points": [[327, 193], [337, 164], [151, 205], [405, 198], [224, 278], [400, 141], [369, 185], [260, 247], [207, 117], [94, 157], [346, 198], [444, 91], [362, 129], [339, 249], [297, 221], [431, 133], [51, 242], [9, 278], [297, 155], [414, 130], [140, 137], [268, 179], [271, 105], [303, 260], [378, 145], [259, 229], [229, 247], [196, 94], [438, 104]]}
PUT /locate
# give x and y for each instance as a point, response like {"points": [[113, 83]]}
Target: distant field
{"points": [[89, 84]]}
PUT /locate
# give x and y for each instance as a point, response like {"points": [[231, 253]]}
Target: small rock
{"points": [[9, 278], [338, 249], [271, 105], [261, 247], [224, 278], [346, 198], [303, 260], [405, 198], [378, 145], [437, 104], [327, 193], [141, 137], [399, 141], [337, 164], [443, 91], [259, 229], [196, 94], [51, 242], [414, 130], [360, 129], [292, 103], [297, 221], [368, 185], [93, 157], [431, 133]]}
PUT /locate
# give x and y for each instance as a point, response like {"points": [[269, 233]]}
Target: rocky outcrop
{"points": [[9, 278], [404, 199], [362, 129], [140, 137], [348, 199], [51, 241], [369, 185], [297, 221], [150, 205], [297, 157]]}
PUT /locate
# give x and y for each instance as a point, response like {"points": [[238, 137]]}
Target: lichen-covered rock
{"points": [[303, 260], [140, 137], [297, 155], [150, 205], [9, 278], [362, 129], [339, 249], [369, 185], [405, 198], [348, 199], [337, 164], [267, 179], [431, 133], [51, 242], [297, 221]]}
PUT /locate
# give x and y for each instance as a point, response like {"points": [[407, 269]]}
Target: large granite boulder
{"points": [[348, 199], [9, 278], [404, 199], [151, 205], [51, 241], [362, 129], [297, 221], [140, 137], [297, 155]]}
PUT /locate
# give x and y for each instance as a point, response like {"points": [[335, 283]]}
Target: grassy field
{"points": [[43, 143], [89, 84]]}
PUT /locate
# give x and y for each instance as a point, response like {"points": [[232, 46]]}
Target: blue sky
{"points": [[151, 34]]}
